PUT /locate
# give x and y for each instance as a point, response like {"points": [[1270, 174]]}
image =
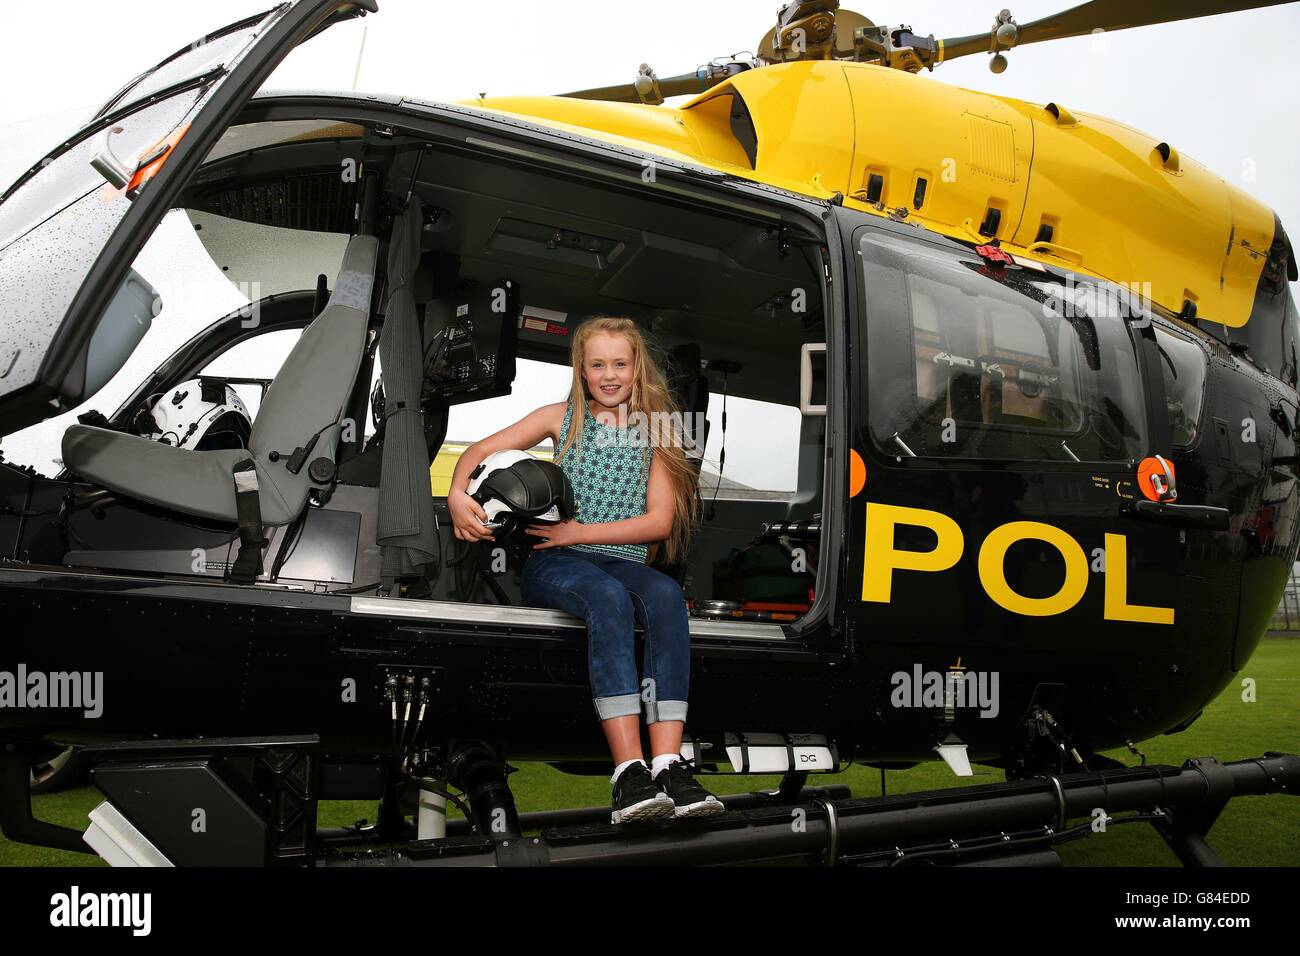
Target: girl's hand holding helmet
{"points": [[468, 517]]}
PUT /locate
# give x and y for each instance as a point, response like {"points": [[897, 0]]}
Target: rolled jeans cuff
{"points": [[656, 711], [623, 705]]}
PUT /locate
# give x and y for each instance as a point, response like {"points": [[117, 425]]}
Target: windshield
{"points": [[52, 231], [58, 218]]}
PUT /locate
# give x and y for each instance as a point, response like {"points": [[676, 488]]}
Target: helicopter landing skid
{"points": [[1016, 823], [260, 795]]}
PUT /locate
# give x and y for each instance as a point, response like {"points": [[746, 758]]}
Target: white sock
{"points": [[661, 762], [623, 766]]}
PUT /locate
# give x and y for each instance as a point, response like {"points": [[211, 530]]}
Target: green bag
{"points": [[761, 572]]}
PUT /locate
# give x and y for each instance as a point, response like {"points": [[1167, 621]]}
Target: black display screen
{"points": [[469, 343]]}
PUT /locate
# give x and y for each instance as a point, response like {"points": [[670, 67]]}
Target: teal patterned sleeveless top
{"points": [[609, 478]]}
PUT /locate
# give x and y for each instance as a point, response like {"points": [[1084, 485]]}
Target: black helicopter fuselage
{"points": [[1170, 608]]}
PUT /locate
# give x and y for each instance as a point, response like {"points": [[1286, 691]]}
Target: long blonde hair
{"points": [[651, 397]]}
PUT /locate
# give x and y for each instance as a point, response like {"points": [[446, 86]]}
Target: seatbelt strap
{"points": [[248, 509]]}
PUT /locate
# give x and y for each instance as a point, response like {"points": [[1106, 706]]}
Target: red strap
{"points": [[994, 254]]}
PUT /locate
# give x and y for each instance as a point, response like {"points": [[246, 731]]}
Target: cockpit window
{"points": [[1182, 362], [974, 361], [984, 357]]}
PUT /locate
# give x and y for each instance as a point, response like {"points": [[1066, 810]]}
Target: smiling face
{"points": [[608, 368]]}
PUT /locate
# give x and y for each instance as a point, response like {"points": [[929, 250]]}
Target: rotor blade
{"points": [[696, 82], [1104, 15]]}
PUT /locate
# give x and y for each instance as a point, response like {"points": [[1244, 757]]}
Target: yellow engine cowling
{"points": [[1117, 203]]}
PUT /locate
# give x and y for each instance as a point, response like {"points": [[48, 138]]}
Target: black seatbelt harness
{"points": [[248, 509]]}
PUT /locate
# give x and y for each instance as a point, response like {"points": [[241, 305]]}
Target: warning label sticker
{"points": [[546, 321]]}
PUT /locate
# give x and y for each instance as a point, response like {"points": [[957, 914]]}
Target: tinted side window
{"points": [[985, 358], [1183, 364], [999, 364]]}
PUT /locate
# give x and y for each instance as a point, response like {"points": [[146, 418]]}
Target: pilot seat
{"points": [[293, 443]]}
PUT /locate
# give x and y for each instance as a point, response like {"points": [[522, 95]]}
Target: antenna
{"points": [[360, 53]]}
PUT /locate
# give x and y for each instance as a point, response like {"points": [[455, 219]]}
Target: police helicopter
{"points": [[1046, 490]]}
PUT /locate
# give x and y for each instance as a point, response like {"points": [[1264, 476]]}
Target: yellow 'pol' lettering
{"points": [[992, 563], [1117, 606], [882, 559]]}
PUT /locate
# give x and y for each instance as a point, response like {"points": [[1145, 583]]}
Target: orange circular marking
{"points": [[857, 473], [1148, 468]]}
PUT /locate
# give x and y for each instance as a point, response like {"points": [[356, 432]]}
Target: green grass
{"points": [[1252, 831]]}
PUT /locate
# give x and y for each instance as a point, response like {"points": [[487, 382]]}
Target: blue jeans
{"points": [[608, 592]]}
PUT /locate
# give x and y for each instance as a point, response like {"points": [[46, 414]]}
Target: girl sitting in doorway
{"points": [[633, 486]]}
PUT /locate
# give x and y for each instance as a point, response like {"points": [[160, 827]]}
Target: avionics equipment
{"points": [[469, 343]]}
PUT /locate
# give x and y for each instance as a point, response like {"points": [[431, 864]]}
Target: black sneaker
{"points": [[637, 798], [688, 797]]}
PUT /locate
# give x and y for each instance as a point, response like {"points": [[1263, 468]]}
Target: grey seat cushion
{"points": [[306, 398], [195, 482]]}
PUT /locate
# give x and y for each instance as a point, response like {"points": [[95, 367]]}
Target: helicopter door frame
{"points": [[60, 378], [822, 629]]}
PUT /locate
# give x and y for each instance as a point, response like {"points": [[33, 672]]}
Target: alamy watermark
{"points": [[956, 687], [76, 909], [1130, 301], [57, 690], [641, 429]]}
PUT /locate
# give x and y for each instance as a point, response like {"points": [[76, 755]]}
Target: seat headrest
{"points": [[356, 279]]}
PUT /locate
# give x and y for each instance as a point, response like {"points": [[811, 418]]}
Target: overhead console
{"points": [[704, 279], [564, 249]]}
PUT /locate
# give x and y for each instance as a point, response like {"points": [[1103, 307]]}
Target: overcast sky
{"points": [[1218, 89]]}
